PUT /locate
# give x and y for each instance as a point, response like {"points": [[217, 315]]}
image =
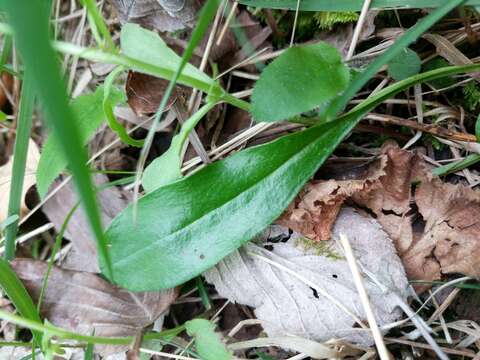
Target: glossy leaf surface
{"points": [[188, 226]]}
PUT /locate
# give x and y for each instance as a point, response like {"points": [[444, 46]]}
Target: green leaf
{"points": [[299, 80], [166, 168], [89, 116], [348, 5], [9, 220], [16, 292], [3, 116], [437, 63], [407, 64], [146, 46], [208, 344], [187, 226]]}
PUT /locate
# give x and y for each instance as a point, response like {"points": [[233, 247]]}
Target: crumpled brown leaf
{"points": [[315, 209], [162, 15], [435, 225], [84, 302], [111, 202]]}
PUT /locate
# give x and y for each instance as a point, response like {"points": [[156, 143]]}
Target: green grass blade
{"points": [[97, 23], [24, 126], [205, 17], [16, 292], [409, 37], [32, 40], [348, 5]]}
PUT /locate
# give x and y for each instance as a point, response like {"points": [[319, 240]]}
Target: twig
{"points": [[358, 29], [357, 278]]}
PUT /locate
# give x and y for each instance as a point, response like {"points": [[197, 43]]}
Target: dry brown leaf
{"points": [[111, 202], [315, 209], [435, 228], [144, 93], [163, 15], [33, 156], [84, 302]]}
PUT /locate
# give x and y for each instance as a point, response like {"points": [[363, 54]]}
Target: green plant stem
{"points": [[24, 126], [108, 110], [457, 165], [38, 327], [97, 22]]}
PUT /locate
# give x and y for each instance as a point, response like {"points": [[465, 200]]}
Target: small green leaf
{"points": [[89, 116], [405, 65], [146, 46], [3, 116], [477, 128], [166, 168], [299, 80], [208, 344]]}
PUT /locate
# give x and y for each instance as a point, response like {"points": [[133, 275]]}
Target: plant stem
{"points": [[96, 21]]}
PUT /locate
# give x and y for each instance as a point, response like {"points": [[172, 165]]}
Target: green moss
{"points": [[327, 20], [320, 248], [471, 93]]}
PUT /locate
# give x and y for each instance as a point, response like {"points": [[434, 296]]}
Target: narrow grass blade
{"points": [[16, 292], [409, 37], [24, 126], [205, 17], [348, 5], [32, 40]]}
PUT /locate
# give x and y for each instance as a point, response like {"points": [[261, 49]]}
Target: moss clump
{"points": [[320, 248]]}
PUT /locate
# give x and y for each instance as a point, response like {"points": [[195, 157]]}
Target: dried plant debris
{"points": [[316, 207], [33, 157], [433, 224], [279, 283], [84, 302], [162, 15], [144, 93]]}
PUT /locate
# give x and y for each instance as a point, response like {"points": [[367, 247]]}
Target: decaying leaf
{"points": [[315, 209], [111, 202], [84, 302], [162, 15], [144, 92], [287, 305], [435, 225], [33, 157]]}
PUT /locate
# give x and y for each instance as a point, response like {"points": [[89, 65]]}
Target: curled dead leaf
{"points": [[435, 225]]}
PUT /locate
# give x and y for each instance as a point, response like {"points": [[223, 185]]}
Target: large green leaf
{"points": [[89, 116], [186, 227], [348, 5], [299, 80]]}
